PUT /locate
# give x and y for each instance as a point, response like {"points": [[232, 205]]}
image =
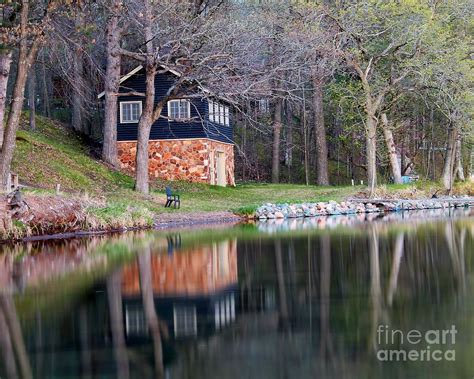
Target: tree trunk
{"points": [[77, 121], [375, 284], [6, 348], [325, 296], [283, 300], [78, 87], [26, 56], [459, 171], [371, 151], [146, 119], [471, 165], [276, 141], [392, 151], [46, 106], [289, 143], [85, 343], [306, 148], [448, 169], [146, 286], [114, 295], [394, 272], [112, 82], [32, 98], [11, 317], [5, 63], [322, 176], [144, 126]]}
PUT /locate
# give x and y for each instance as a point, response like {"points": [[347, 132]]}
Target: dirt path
{"points": [[166, 220]]}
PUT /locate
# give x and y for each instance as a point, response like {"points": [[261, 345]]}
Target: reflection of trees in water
{"points": [[283, 304], [387, 275], [155, 326], [11, 340], [338, 286], [114, 297], [455, 242]]}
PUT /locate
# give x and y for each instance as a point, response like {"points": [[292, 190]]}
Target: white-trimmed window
{"points": [[185, 321], [219, 113], [135, 322], [130, 112], [179, 109], [212, 111], [226, 116]]}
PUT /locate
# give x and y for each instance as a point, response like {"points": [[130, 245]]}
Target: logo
{"points": [[415, 345]]}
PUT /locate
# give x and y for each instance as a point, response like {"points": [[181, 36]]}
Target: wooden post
{"points": [[58, 188], [9, 183], [15, 181]]}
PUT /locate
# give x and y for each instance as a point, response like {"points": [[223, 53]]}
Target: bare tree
{"points": [[112, 81], [32, 97], [5, 63], [277, 124], [392, 151], [28, 47], [322, 171], [77, 120]]}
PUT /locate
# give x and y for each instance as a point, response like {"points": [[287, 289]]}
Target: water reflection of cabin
{"points": [[194, 291]]}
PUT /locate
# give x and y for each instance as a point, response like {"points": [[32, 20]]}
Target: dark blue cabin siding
{"points": [[164, 129]]}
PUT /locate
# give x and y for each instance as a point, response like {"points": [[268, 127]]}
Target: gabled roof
{"points": [[133, 72], [174, 72]]}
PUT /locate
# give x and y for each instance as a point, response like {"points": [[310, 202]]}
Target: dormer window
{"points": [[130, 112], [179, 109], [219, 113]]}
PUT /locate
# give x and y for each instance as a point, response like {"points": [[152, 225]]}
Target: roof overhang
{"points": [[174, 72], [133, 72]]}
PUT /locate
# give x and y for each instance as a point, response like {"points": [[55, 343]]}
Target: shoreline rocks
{"points": [[271, 211]]}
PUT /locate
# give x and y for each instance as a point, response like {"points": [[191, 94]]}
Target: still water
{"points": [[327, 298]]}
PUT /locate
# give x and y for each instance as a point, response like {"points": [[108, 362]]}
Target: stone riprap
{"points": [[283, 211], [358, 219]]}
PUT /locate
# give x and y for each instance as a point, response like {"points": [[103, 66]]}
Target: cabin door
{"points": [[220, 168], [212, 168]]}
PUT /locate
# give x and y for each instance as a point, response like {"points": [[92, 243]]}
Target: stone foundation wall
{"points": [[187, 159]]}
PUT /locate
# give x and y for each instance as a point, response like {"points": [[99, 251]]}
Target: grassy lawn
{"points": [[250, 196]]}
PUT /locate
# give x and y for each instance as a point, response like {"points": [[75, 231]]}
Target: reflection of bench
{"points": [[407, 179], [172, 198]]}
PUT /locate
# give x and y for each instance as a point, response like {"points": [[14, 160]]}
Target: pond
{"points": [[365, 296]]}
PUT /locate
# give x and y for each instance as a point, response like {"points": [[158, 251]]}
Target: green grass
{"points": [[246, 197], [53, 154]]}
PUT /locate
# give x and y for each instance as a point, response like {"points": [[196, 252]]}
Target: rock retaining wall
{"points": [[281, 211]]}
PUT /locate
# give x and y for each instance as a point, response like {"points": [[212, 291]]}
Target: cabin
{"points": [[194, 291], [191, 141]]}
